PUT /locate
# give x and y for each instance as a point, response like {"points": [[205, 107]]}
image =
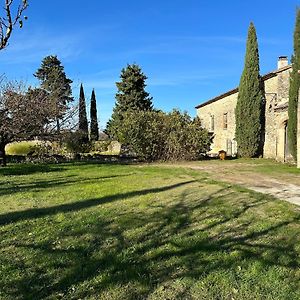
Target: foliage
{"points": [[24, 114], [83, 123], [94, 120], [249, 108], [294, 91], [100, 146], [131, 90], [144, 131], [131, 96], [76, 142], [185, 138], [107, 231], [20, 148], [11, 19], [154, 135], [55, 83]]}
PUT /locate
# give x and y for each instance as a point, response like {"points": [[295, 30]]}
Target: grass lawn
{"points": [[99, 231]]}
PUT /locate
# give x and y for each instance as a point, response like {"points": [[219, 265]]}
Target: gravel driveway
{"points": [[279, 184]]}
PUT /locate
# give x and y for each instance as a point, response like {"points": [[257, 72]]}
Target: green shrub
{"points": [[154, 135], [76, 142], [100, 146], [20, 148]]}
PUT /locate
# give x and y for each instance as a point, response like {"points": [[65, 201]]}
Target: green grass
{"points": [[100, 231], [272, 167]]}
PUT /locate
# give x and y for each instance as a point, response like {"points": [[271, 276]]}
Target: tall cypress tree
{"points": [[294, 91], [131, 96], [93, 116], [83, 123], [249, 108]]}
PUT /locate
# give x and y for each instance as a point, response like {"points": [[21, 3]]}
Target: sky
{"points": [[190, 50]]}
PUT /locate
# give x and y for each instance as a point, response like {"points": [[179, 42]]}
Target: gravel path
{"points": [[286, 188]]}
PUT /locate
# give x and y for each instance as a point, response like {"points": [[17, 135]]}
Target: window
{"points": [[212, 123], [229, 147], [225, 121]]}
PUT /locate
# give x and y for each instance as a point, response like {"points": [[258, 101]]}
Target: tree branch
{"points": [[7, 24]]}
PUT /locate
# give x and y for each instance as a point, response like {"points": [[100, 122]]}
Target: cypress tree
{"points": [[93, 116], [249, 108], [294, 91], [83, 123]]}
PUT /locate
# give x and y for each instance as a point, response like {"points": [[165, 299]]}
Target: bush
{"points": [[185, 138], [75, 142], [20, 148], [154, 135], [100, 146], [144, 132]]}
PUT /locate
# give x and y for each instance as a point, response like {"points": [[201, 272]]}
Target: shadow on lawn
{"points": [[181, 239], [75, 206], [30, 168], [27, 169], [58, 181]]}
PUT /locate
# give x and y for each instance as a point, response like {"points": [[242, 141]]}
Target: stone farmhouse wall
{"points": [[213, 117], [218, 116], [276, 114]]}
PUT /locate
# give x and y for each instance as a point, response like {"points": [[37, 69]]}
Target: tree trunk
{"points": [[3, 155], [57, 125]]}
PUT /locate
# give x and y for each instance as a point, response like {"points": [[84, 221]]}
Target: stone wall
{"points": [[223, 137], [276, 96], [276, 116]]}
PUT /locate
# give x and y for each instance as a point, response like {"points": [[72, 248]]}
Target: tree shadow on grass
{"points": [[174, 241], [34, 213], [58, 181], [27, 169]]}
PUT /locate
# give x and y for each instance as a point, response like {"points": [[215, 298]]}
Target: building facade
{"points": [[218, 116]]}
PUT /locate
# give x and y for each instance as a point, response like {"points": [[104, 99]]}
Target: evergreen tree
{"points": [[93, 116], [294, 91], [131, 90], [131, 96], [249, 108], [83, 123], [58, 87]]}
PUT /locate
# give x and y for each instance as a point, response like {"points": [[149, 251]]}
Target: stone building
{"points": [[218, 115]]}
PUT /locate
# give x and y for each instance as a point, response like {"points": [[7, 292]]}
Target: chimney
{"points": [[283, 61]]}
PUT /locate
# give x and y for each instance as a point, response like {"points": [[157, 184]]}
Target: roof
{"points": [[235, 90]]}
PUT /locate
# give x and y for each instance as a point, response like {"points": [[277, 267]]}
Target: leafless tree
{"points": [[12, 16], [27, 113]]}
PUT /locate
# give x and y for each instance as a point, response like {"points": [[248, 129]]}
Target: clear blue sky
{"points": [[190, 50]]}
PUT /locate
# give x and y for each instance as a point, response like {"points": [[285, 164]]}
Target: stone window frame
{"points": [[225, 121], [212, 123]]}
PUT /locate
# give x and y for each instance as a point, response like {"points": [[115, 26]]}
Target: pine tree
{"points": [[54, 81], [294, 91], [249, 109], [93, 116], [131, 90], [83, 123], [131, 96]]}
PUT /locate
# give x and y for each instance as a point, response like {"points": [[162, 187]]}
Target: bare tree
{"points": [[13, 15], [29, 113], [24, 114]]}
